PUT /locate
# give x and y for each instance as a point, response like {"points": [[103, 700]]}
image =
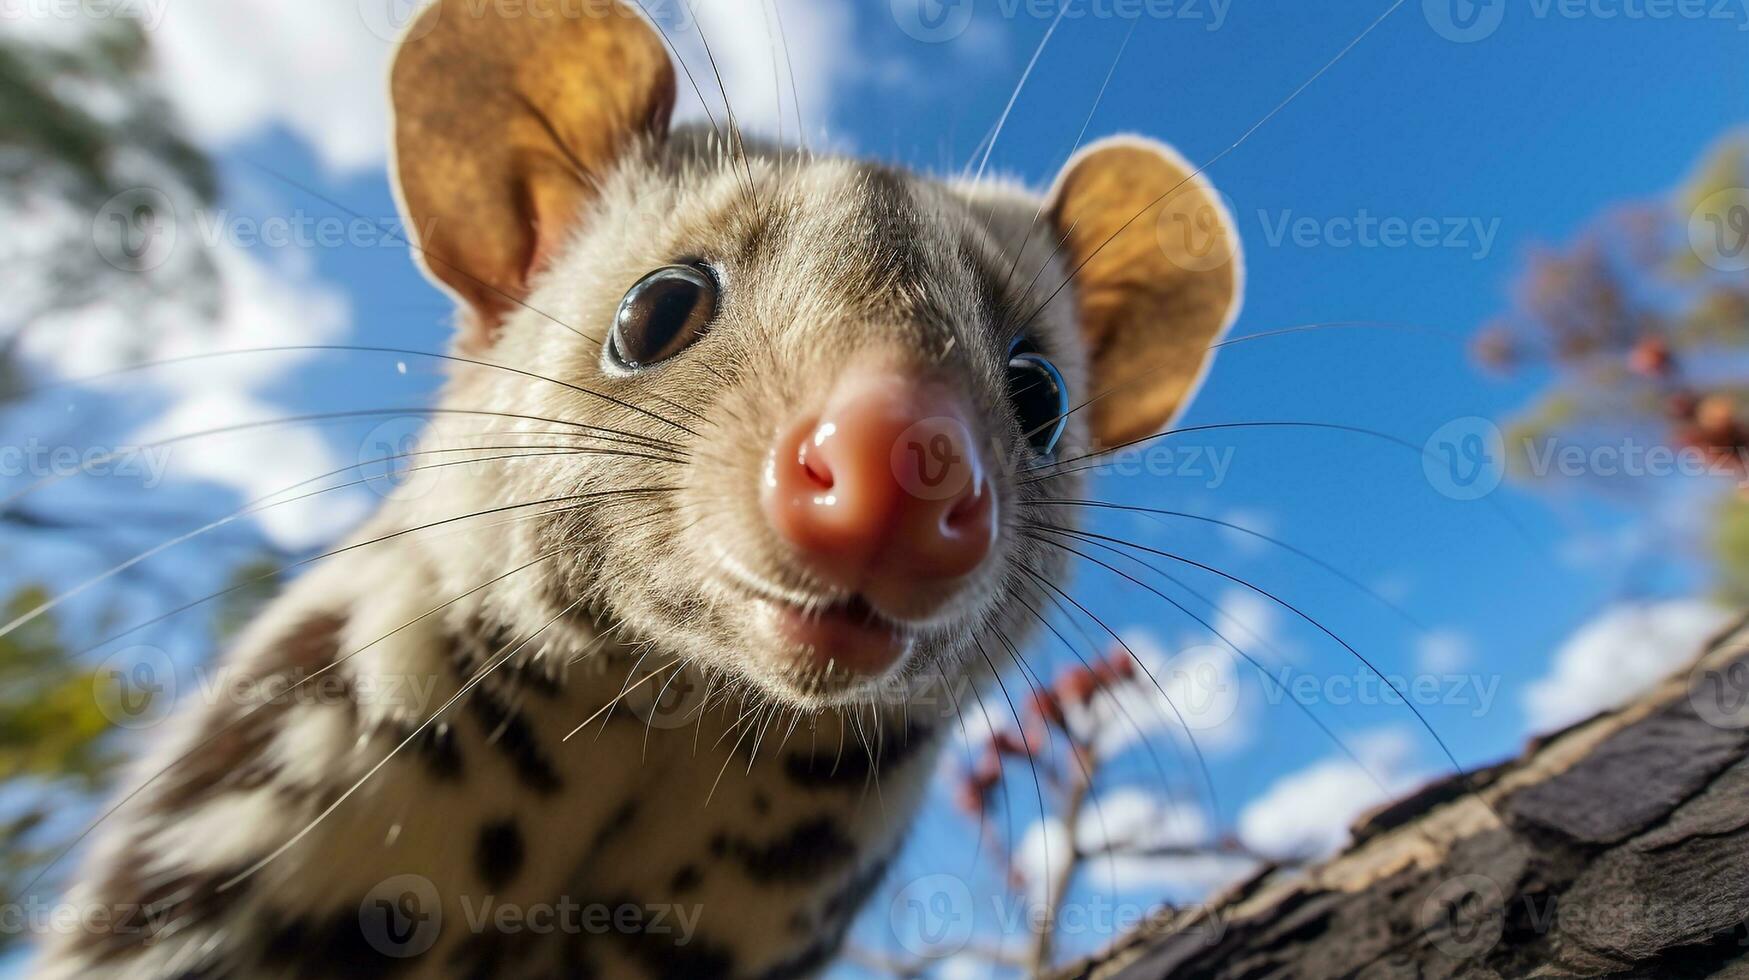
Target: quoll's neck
{"points": [[732, 841]]}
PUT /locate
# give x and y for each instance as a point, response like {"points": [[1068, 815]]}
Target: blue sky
{"points": [[1513, 139]]}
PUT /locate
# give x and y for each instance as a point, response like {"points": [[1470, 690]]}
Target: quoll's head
{"points": [[825, 391]]}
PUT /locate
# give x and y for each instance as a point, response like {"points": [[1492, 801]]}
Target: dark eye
{"points": [[1041, 400], [661, 315]]}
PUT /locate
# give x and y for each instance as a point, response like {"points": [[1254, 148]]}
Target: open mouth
{"points": [[847, 635]]}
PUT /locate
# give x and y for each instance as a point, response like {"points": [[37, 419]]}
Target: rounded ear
{"points": [[506, 117], [1157, 272]]}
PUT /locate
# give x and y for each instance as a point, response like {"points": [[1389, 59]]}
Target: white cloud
{"points": [[258, 306], [319, 68], [1174, 697], [260, 463], [1444, 651], [1251, 621], [234, 68], [1137, 818], [1251, 520], [1618, 655], [745, 38], [1308, 813]]}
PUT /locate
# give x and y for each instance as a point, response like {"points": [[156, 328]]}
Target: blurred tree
{"points": [[52, 742], [1066, 741], [1642, 325], [92, 172]]}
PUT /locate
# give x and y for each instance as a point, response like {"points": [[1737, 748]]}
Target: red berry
{"points": [[1077, 686], [1717, 415], [1123, 664], [969, 800], [1650, 357], [1010, 743], [1046, 707]]}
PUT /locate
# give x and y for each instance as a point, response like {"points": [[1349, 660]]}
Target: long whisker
{"points": [[473, 682], [1296, 611], [652, 675], [1275, 682], [1014, 97], [1259, 535], [1165, 780], [269, 501], [776, 70], [255, 580], [1243, 137], [740, 141], [357, 349], [1033, 225], [730, 756], [1178, 361], [605, 434], [1080, 763], [794, 91], [429, 255], [1065, 467], [1059, 468], [1032, 763], [628, 683], [1190, 734], [1205, 624], [1001, 786], [201, 745]]}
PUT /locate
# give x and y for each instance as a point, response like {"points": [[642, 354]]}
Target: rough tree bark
{"points": [[1618, 847]]}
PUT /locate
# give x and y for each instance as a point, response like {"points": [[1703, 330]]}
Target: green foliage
{"points": [[83, 131], [82, 125], [256, 582], [1731, 550], [1642, 340], [54, 744], [51, 725]]}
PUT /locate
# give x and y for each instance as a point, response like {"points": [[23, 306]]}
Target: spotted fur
{"points": [[485, 744]]}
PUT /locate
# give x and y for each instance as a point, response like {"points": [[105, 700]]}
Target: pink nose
{"points": [[884, 489]]}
